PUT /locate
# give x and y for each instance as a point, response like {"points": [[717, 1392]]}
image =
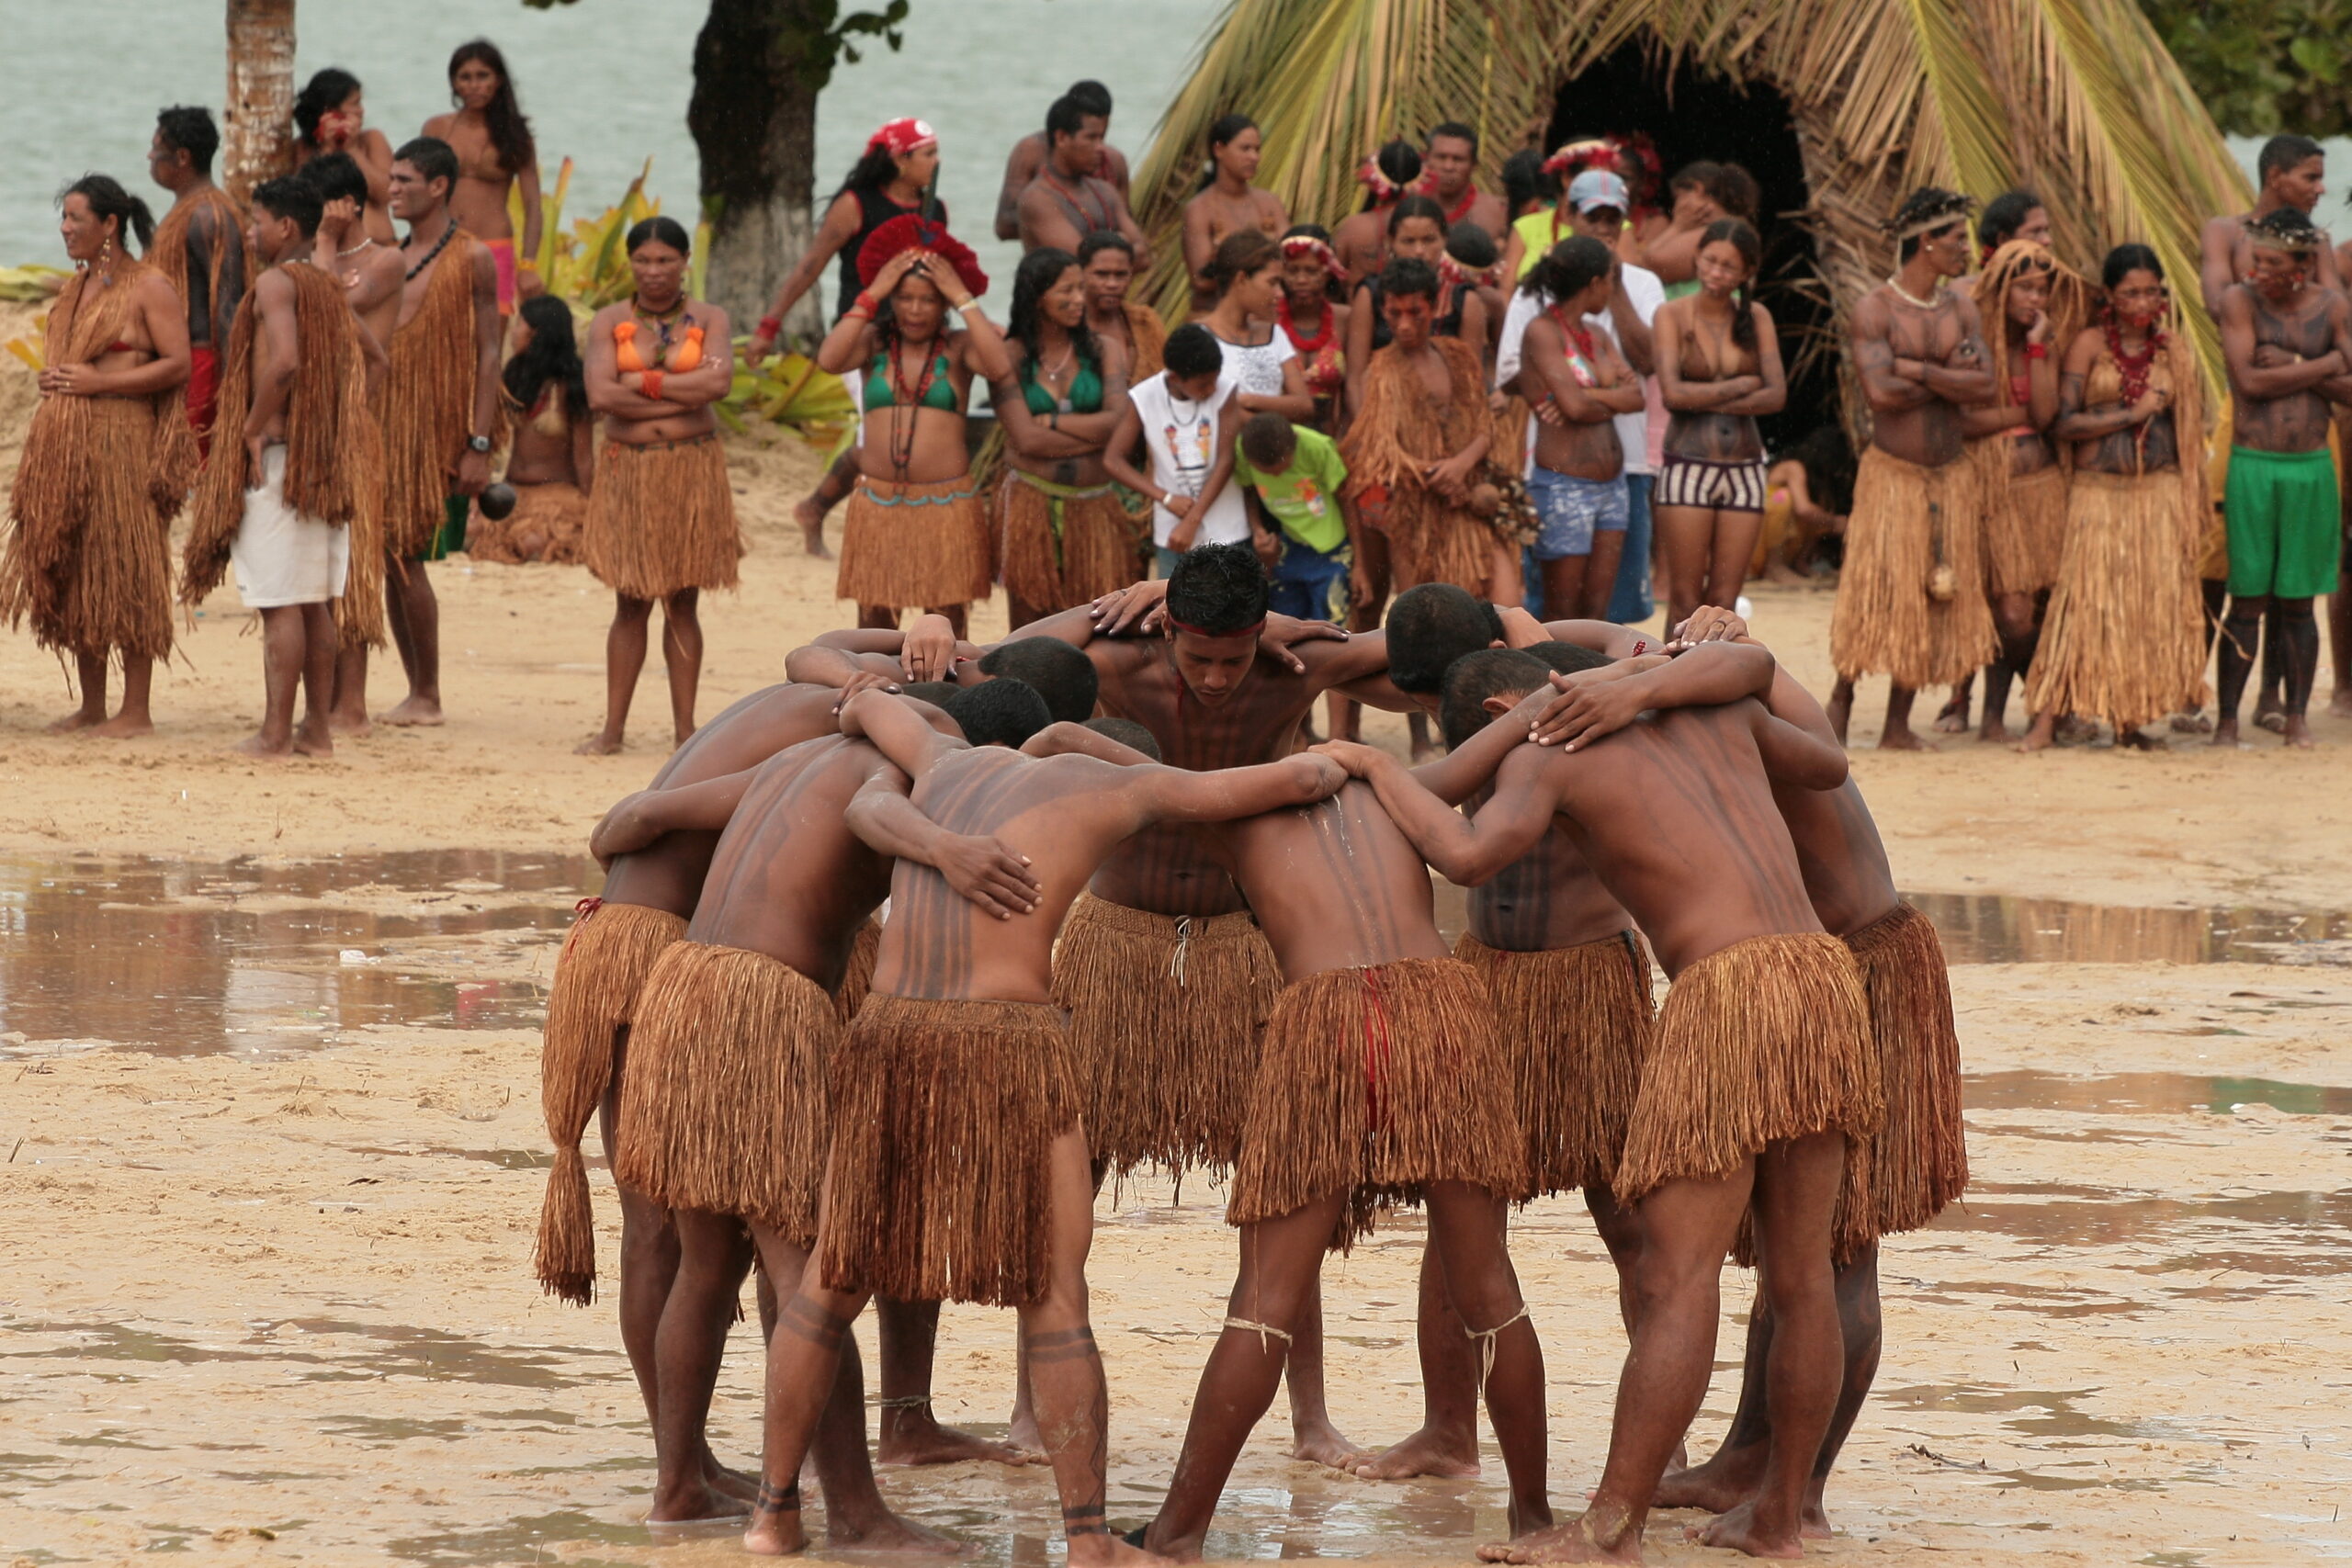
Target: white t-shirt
{"points": [[1258, 364], [1648, 294], [1182, 435]]}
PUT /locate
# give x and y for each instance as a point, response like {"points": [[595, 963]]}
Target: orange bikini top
{"points": [[684, 355]]}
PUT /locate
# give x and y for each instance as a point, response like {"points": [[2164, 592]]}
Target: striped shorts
{"points": [[1700, 482]]}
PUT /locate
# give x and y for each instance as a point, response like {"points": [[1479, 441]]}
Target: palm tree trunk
{"points": [[753, 117], [259, 135]]}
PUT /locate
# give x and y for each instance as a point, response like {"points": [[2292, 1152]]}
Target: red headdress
{"points": [[901, 137], [1632, 159], [1308, 245], [1384, 189], [910, 232]]}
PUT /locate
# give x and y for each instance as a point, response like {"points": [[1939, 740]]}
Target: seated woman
{"points": [[553, 454], [1063, 537], [917, 533]]}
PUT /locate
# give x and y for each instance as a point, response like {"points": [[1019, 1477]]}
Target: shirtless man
{"points": [[1107, 261], [200, 247], [1028, 155], [1911, 602], [372, 273], [439, 410], [1762, 1047], [1068, 200], [723, 1121], [2287, 346], [1449, 171], [966, 1002]]}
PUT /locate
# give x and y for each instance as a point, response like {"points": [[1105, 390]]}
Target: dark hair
{"points": [[1920, 204], [2289, 227], [1268, 441], [1458, 131], [1217, 590], [936, 693], [1038, 272], [1827, 454], [1473, 678], [1741, 238], [1090, 95], [875, 167], [336, 176], [1567, 268], [658, 228], [107, 198], [1127, 733], [1415, 206], [2003, 217], [1400, 164], [1243, 251], [1734, 189], [1053, 669], [1192, 350], [1223, 129], [1430, 626], [553, 354], [2282, 153], [1525, 180], [1067, 117], [1566, 658], [188, 129], [1405, 276], [1003, 712], [290, 196], [1103, 240], [2129, 258], [431, 157], [510, 133], [326, 91], [1473, 245]]}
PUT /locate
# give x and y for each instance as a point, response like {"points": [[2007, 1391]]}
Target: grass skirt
{"points": [[97, 580], [661, 519], [1063, 546], [2125, 636], [605, 958], [1576, 1024], [546, 526], [1376, 1082], [1763, 1041], [915, 545], [723, 1105], [1164, 1015], [2025, 520], [858, 978], [939, 1180], [1907, 522], [1918, 1163]]}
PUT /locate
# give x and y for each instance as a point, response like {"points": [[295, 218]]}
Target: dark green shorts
{"points": [[451, 538], [2285, 523]]}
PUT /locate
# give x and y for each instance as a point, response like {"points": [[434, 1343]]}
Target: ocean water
{"points": [[605, 83]]}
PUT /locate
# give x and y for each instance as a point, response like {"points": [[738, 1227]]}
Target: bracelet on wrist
{"points": [[769, 327], [2037, 351], [866, 301], [652, 385]]}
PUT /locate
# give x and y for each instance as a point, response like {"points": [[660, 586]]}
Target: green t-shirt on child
{"points": [[1304, 497]]}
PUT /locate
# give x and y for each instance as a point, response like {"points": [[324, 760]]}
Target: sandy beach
{"points": [[268, 1093]]}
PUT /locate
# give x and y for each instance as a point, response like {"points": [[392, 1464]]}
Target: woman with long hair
{"points": [[496, 155], [1312, 319], [1704, 194], [330, 116], [1416, 233], [889, 180], [1718, 368], [107, 462], [917, 535], [1361, 238], [1528, 185], [1577, 483], [1063, 538], [2125, 636], [551, 464], [660, 513], [1247, 276], [1227, 201]]}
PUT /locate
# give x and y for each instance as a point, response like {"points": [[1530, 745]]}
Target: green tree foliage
{"points": [[2263, 65]]}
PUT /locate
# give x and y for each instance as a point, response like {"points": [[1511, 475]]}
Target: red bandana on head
{"points": [[901, 137]]}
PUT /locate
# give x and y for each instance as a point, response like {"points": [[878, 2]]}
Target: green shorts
{"points": [[451, 538], [2285, 523]]}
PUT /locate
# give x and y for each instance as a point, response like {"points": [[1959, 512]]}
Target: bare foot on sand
{"points": [[1569, 1542], [775, 1522], [1741, 1531], [260, 745], [912, 1437], [122, 726], [2225, 732], [73, 721], [1426, 1453], [1721, 1485], [1319, 1442], [413, 710], [696, 1503], [886, 1532], [1953, 720], [604, 743], [2298, 731], [1903, 739]]}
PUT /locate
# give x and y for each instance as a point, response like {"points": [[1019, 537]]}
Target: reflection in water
{"points": [[191, 959], [2123, 1093]]}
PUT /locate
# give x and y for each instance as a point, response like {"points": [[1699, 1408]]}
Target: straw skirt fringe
{"points": [[605, 958], [1918, 1162], [940, 1182], [1576, 1025], [1093, 553], [661, 519], [858, 978], [546, 526], [2124, 639], [1908, 522], [1164, 1019], [1376, 1082], [89, 560], [915, 544], [1766, 1040], [2025, 520]]}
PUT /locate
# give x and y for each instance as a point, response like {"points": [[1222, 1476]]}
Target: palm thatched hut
{"points": [[1839, 107]]}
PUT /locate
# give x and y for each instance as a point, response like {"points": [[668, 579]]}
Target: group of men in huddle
{"points": [[1163, 936]]}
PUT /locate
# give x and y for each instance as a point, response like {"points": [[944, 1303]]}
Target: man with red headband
{"points": [[1069, 199]]}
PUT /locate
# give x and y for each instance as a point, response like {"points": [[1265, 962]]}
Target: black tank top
{"points": [[874, 209], [1447, 325]]}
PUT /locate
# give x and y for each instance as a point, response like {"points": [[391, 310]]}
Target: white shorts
{"points": [[281, 556]]}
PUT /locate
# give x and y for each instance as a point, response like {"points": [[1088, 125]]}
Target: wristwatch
{"points": [[477, 443]]}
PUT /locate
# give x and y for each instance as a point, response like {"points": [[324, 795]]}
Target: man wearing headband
{"points": [[2288, 343], [1028, 156], [1911, 602], [1069, 199]]}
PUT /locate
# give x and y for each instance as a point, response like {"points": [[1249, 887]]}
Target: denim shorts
{"points": [[1310, 585], [1574, 510]]}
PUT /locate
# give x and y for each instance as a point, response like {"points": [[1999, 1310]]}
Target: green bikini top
{"points": [[880, 394], [1085, 391]]}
